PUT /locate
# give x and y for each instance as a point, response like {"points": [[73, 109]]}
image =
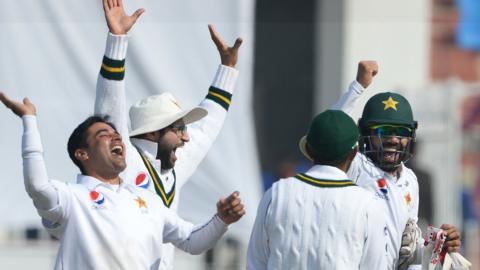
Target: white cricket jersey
{"points": [[318, 220], [400, 195], [111, 100], [103, 227]]}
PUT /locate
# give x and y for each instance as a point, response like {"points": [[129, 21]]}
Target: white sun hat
{"points": [[159, 111]]}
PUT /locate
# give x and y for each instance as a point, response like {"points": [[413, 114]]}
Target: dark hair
{"points": [[335, 163], [78, 139]]}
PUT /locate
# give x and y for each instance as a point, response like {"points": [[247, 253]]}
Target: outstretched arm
{"points": [[197, 239], [217, 102], [110, 94], [45, 196], [365, 73]]}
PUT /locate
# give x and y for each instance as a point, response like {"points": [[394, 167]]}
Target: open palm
{"points": [[19, 108], [119, 23]]}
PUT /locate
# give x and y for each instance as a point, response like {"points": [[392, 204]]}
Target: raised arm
{"points": [[365, 73], [197, 239], [217, 102], [45, 196], [110, 95]]}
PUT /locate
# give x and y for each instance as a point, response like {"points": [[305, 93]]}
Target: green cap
{"points": [[332, 135], [387, 108]]}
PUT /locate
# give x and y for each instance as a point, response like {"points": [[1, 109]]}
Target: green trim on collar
{"points": [[324, 182], [167, 197]]}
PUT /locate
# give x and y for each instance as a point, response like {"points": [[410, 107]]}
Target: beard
{"points": [[165, 157]]}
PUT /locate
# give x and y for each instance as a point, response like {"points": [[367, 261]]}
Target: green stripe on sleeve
{"points": [[113, 69], [223, 98]]}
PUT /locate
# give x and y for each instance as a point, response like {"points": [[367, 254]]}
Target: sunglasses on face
{"points": [[179, 128], [390, 130]]}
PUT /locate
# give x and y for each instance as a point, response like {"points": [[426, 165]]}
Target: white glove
{"points": [[410, 237]]}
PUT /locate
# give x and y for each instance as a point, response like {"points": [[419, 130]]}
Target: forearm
{"points": [[203, 237], [348, 100], [204, 132], [36, 181], [110, 94]]}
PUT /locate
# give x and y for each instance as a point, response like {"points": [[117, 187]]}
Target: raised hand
{"points": [[19, 108], [366, 71], [119, 23], [231, 209], [453, 242], [228, 55]]}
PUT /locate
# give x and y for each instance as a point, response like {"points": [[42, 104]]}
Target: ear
{"points": [[309, 152], [81, 155], [151, 136]]}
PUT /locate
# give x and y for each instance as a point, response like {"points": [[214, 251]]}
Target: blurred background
{"points": [[297, 59]]}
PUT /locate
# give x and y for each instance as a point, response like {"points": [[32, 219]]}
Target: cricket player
{"points": [[320, 219], [162, 154], [387, 132], [102, 221]]}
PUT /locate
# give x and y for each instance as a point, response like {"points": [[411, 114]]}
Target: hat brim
{"points": [[188, 116], [302, 144]]}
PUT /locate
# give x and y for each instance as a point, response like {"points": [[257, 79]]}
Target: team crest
{"points": [[408, 199], [142, 180], [390, 104], [142, 205], [97, 198]]}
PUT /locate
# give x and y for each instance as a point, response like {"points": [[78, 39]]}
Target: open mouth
{"points": [[117, 150], [390, 155]]}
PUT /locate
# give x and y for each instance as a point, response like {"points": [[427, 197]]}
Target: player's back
{"points": [[319, 224]]}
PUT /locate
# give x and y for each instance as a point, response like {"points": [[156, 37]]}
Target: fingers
{"points": [[231, 208], [450, 231], [453, 245], [452, 242], [368, 67], [27, 102], [221, 45], [137, 14], [366, 71], [110, 4], [237, 44], [105, 5], [5, 100]]}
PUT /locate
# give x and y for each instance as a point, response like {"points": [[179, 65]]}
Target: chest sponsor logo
{"points": [[382, 190], [97, 198], [142, 180]]}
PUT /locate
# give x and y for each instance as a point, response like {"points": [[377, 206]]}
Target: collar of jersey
{"points": [[93, 183], [326, 172]]}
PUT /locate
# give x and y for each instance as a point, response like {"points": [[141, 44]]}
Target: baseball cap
{"points": [[332, 135], [159, 111]]}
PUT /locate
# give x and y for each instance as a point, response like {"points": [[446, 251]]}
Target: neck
{"points": [[395, 171], [112, 179]]}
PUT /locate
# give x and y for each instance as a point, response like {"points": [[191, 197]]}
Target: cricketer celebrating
{"points": [[102, 221], [161, 153], [387, 132], [320, 219]]}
